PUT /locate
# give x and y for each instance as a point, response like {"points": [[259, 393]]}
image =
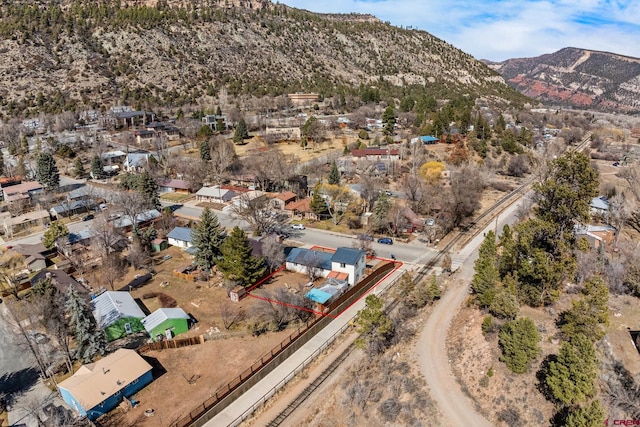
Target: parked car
{"points": [[87, 217], [616, 164], [298, 226], [365, 237], [431, 222], [385, 240]]}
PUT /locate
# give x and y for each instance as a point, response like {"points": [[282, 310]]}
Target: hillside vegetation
{"points": [[74, 55]]}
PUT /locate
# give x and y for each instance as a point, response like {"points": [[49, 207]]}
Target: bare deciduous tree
{"points": [[105, 236], [231, 314], [273, 252]]}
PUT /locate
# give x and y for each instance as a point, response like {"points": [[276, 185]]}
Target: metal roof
{"points": [[304, 256], [181, 233], [156, 318], [348, 256], [113, 305]]}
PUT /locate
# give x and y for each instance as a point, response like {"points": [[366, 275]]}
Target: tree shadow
{"points": [[16, 383], [541, 376]]}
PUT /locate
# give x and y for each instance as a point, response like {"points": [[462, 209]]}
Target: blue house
{"points": [[99, 387], [428, 139]]}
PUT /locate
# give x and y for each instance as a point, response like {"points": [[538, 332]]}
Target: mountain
{"points": [[73, 54], [579, 78]]}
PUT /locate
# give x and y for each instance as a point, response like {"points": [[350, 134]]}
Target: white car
{"points": [[298, 226]]}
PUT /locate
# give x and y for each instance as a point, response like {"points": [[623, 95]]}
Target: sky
{"points": [[501, 29]]}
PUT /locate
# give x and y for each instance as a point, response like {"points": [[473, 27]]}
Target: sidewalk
{"points": [[242, 407]]}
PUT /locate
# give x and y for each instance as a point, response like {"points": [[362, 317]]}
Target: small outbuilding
{"points": [[117, 314], [166, 323]]}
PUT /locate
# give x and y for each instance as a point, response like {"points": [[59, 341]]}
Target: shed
{"points": [[159, 245], [237, 293], [166, 323]]}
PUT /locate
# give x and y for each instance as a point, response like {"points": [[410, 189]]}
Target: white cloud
{"points": [[501, 29]]}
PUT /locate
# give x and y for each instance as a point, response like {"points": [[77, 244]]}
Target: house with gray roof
{"points": [[181, 237], [117, 314], [346, 263], [214, 194], [350, 261]]}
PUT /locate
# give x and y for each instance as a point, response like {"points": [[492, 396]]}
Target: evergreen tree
{"points": [[589, 315], [47, 172], [208, 236], [205, 150], [1, 163], [218, 111], [25, 145], [317, 204], [148, 187], [78, 168], [388, 120], [571, 379], [97, 167], [89, 339], [374, 325], [54, 232], [591, 415], [519, 340], [237, 263], [241, 133], [381, 208], [334, 174], [564, 196], [485, 280]]}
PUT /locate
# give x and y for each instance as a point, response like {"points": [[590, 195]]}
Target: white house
{"points": [[350, 261], [214, 194], [345, 264], [180, 237]]}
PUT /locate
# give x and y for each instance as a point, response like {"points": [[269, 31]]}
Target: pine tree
{"points": [[571, 378], [53, 233], [334, 174], [47, 172], [148, 187], [89, 339], [205, 150], [237, 263], [374, 325], [487, 275], [208, 236], [97, 167], [25, 145], [317, 204], [241, 132], [218, 111], [388, 120], [519, 340], [78, 168], [381, 208], [1, 163]]}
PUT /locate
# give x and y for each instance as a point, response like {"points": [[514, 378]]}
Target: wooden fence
{"points": [[273, 358], [174, 343]]}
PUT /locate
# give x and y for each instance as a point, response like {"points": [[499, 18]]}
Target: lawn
{"points": [[176, 197]]}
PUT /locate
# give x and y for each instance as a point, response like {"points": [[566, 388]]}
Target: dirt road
{"points": [[431, 347]]}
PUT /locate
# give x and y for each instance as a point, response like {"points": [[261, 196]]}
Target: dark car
{"points": [[385, 240], [87, 217]]}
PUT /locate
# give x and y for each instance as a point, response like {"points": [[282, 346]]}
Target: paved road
{"points": [[455, 406]]}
